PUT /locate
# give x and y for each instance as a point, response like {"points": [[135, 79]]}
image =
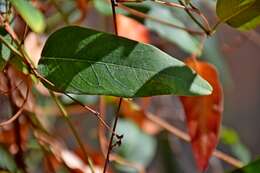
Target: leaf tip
{"points": [[200, 86]]}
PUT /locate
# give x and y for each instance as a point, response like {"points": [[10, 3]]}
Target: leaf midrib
{"points": [[99, 62]]}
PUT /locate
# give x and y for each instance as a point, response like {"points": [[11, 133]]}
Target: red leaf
{"points": [[203, 114], [132, 29]]}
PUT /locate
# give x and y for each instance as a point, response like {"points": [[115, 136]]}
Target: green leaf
{"points": [[7, 161], [32, 16], [252, 167], [4, 51], [84, 61], [230, 137], [241, 14], [181, 38]]}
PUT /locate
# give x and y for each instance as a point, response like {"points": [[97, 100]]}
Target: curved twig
{"points": [[12, 89], [18, 113]]}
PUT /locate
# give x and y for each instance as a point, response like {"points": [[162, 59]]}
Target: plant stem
{"points": [[74, 131], [110, 147], [10, 46], [207, 31], [184, 136], [143, 15]]}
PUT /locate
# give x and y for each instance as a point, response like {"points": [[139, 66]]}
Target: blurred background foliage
{"points": [[145, 145]]}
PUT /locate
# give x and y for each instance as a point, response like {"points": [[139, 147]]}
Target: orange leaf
{"points": [[203, 114], [132, 29]]}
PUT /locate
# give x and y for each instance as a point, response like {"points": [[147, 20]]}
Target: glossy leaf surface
{"points": [[84, 61]]}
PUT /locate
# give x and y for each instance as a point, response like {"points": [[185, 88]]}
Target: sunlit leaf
{"points": [[4, 51], [242, 14], [32, 16], [97, 63], [203, 114]]}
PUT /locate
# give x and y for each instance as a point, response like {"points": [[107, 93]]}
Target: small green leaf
{"points": [[32, 16], [253, 167], [230, 137], [7, 161], [177, 36], [241, 14], [4, 51], [84, 61]]}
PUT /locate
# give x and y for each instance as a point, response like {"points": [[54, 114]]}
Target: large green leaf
{"points": [[30, 14], [242, 14], [253, 167], [84, 61], [181, 38]]}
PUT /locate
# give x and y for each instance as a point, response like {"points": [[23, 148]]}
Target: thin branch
{"points": [[125, 162], [184, 136], [18, 113], [206, 30], [21, 52], [173, 4], [12, 88], [143, 15], [110, 146], [203, 17], [97, 114], [74, 131], [104, 143], [10, 46]]}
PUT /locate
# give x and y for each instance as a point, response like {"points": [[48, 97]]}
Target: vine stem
{"points": [[73, 130], [97, 114], [206, 30], [110, 146], [143, 15]]}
